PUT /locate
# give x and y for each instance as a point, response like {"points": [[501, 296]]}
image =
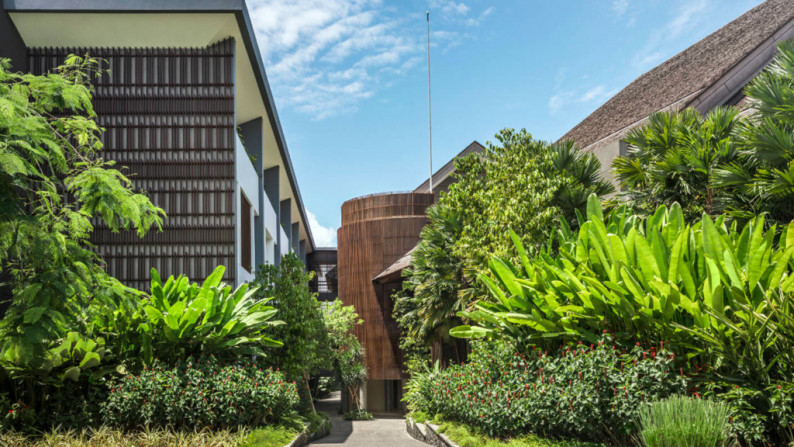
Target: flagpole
{"points": [[429, 110]]}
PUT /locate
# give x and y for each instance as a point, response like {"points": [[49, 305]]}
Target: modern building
{"points": [[378, 233], [710, 73], [322, 261], [189, 113]]}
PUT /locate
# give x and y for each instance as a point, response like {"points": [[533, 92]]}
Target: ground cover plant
{"points": [[586, 392]]}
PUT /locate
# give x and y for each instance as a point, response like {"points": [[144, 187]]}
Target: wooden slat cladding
{"points": [[168, 115], [376, 231]]}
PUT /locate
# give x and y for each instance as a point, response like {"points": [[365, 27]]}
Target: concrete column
{"points": [[303, 253]]}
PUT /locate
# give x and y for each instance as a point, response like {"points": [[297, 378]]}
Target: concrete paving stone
{"points": [[379, 432]]}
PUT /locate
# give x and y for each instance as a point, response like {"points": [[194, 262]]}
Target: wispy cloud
{"points": [[686, 18], [619, 7], [593, 95], [323, 236], [326, 56]]}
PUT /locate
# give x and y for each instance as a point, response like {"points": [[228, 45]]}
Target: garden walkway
{"points": [[379, 432]]}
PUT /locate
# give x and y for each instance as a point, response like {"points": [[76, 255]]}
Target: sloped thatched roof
{"points": [[677, 82]]}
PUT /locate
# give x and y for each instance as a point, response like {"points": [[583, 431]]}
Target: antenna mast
{"points": [[429, 114]]}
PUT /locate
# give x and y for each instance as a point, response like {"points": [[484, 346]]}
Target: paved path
{"points": [[379, 432]]}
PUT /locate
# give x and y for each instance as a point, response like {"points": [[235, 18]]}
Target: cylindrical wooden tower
{"points": [[376, 231]]}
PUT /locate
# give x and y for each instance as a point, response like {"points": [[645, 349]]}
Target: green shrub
{"points": [[583, 392], [198, 393], [358, 415], [685, 422]]}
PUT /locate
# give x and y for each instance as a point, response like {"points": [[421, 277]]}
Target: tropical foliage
{"points": [[656, 279], [49, 148], [519, 183], [304, 330], [69, 328], [719, 292], [346, 352], [676, 158], [763, 175], [182, 319], [426, 307], [720, 163]]}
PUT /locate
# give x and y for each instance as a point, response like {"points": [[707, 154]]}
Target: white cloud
{"points": [[619, 7], [475, 21], [323, 236], [561, 99], [683, 19], [688, 16], [323, 57], [558, 101]]}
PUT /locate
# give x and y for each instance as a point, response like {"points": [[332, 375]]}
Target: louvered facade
{"points": [[189, 117], [169, 120]]}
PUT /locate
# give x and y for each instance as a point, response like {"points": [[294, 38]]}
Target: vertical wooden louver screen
{"points": [[169, 120]]}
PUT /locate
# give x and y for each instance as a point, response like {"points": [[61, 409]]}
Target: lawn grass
{"points": [[272, 436], [465, 436]]}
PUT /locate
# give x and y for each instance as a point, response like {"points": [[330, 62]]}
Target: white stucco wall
{"points": [[285, 245], [245, 181]]}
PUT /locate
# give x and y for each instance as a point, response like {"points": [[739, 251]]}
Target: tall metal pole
{"points": [[429, 110]]}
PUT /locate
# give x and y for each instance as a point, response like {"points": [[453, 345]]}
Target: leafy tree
{"points": [[304, 336], [522, 184], [676, 158], [54, 187], [347, 354], [427, 305], [762, 176]]}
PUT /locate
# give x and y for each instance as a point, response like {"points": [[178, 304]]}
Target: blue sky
{"points": [[349, 78]]}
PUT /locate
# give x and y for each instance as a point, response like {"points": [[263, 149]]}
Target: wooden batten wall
{"points": [[169, 120], [376, 231]]}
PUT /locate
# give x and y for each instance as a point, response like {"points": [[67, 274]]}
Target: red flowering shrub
{"points": [[588, 392], [200, 393]]}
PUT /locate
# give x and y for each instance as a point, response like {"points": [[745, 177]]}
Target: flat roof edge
{"points": [[133, 6]]}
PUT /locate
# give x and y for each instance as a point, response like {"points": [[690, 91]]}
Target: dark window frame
{"points": [[246, 251]]}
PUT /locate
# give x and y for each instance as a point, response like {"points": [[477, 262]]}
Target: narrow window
{"points": [[245, 231]]}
